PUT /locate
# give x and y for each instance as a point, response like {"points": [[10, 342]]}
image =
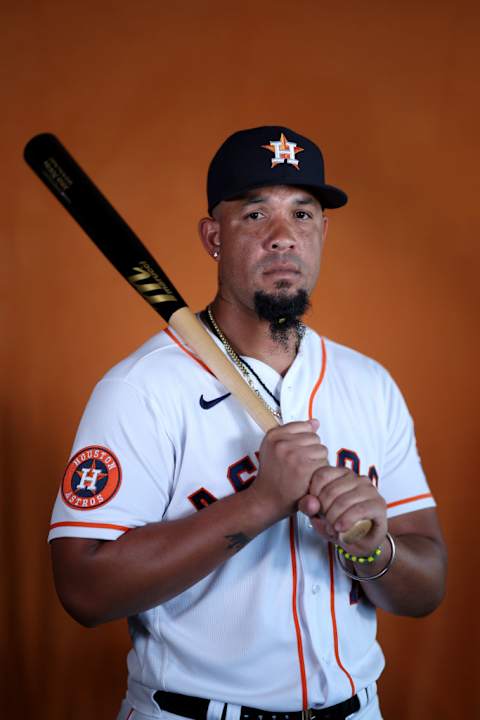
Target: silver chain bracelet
{"points": [[377, 575]]}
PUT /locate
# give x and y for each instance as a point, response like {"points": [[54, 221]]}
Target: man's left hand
{"points": [[337, 499]]}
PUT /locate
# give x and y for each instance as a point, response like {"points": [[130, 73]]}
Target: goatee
{"points": [[283, 312]]}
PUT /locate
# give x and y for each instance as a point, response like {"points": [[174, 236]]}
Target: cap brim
{"points": [[329, 196]]}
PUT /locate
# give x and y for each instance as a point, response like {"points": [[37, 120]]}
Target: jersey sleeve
{"points": [[120, 473], [402, 483]]}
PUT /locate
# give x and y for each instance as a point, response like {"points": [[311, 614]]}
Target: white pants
{"points": [[369, 710]]}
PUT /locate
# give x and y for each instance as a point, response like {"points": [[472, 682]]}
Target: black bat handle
{"points": [[72, 187]]}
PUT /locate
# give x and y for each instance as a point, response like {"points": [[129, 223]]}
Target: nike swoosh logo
{"points": [[207, 404]]}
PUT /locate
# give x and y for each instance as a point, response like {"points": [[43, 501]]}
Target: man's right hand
{"points": [[289, 455]]}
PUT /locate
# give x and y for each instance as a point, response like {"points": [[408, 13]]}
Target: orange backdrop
{"points": [[142, 93]]}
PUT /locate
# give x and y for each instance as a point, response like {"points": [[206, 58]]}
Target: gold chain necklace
{"points": [[238, 363]]}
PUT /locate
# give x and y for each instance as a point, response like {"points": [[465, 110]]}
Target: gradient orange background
{"points": [[142, 94]]}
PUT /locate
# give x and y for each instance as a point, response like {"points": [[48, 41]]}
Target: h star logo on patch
{"points": [[89, 478], [284, 151]]}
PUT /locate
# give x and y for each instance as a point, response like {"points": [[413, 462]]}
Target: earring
{"points": [[216, 253]]}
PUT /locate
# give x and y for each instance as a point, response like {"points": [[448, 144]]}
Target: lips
{"points": [[283, 269]]}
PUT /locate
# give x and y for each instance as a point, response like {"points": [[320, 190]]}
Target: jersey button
{"points": [[315, 588]]}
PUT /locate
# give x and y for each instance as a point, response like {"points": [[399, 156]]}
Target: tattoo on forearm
{"points": [[237, 541]]}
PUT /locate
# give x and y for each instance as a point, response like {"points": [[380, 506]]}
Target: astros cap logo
{"points": [[91, 479], [284, 151]]}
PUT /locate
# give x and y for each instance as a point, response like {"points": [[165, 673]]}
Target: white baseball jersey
{"points": [[278, 626]]}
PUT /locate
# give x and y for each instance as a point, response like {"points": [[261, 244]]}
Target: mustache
{"points": [[291, 260]]}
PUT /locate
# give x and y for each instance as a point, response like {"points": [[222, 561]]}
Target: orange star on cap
{"points": [[284, 151]]}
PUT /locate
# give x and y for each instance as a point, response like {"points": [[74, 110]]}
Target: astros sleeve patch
{"points": [[92, 478]]}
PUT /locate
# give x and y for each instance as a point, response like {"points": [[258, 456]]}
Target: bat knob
{"points": [[356, 532]]}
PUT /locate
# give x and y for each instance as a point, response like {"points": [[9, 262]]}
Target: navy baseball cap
{"points": [[269, 155]]}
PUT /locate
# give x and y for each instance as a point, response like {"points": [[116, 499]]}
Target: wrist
{"points": [[262, 508], [368, 567]]}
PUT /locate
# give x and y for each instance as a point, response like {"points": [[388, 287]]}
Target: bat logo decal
{"points": [[145, 272]]}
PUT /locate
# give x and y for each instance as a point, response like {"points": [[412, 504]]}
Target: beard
{"points": [[283, 312]]}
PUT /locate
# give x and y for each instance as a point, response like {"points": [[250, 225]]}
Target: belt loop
{"points": [[307, 714], [216, 710], [233, 712]]}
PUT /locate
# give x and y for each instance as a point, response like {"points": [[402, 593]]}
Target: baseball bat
{"points": [[72, 187]]}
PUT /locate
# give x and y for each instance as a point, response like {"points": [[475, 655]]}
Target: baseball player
{"points": [[223, 546]]}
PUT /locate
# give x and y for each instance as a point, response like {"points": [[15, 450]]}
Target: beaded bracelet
{"points": [[341, 553], [359, 558]]}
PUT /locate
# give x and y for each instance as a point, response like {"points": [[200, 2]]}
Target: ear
{"points": [[324, 228], [209, 231]]}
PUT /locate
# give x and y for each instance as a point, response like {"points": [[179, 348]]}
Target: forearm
{"points": [[415, 583], [107, 580]]}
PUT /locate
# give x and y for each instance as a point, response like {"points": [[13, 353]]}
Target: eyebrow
{"points": [[252, 200], [255, 199], [305, 201]]}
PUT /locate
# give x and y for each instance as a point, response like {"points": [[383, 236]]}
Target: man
{"points": [[221, 546]]}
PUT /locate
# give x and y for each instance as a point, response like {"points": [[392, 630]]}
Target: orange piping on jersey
{"points": [[320, 379], [410, 499], [90, 525], [330, 552], [298, 633], [186, 350], [334, 620]]}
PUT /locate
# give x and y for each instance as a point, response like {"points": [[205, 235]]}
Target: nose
{"points": [[280, 237]]}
